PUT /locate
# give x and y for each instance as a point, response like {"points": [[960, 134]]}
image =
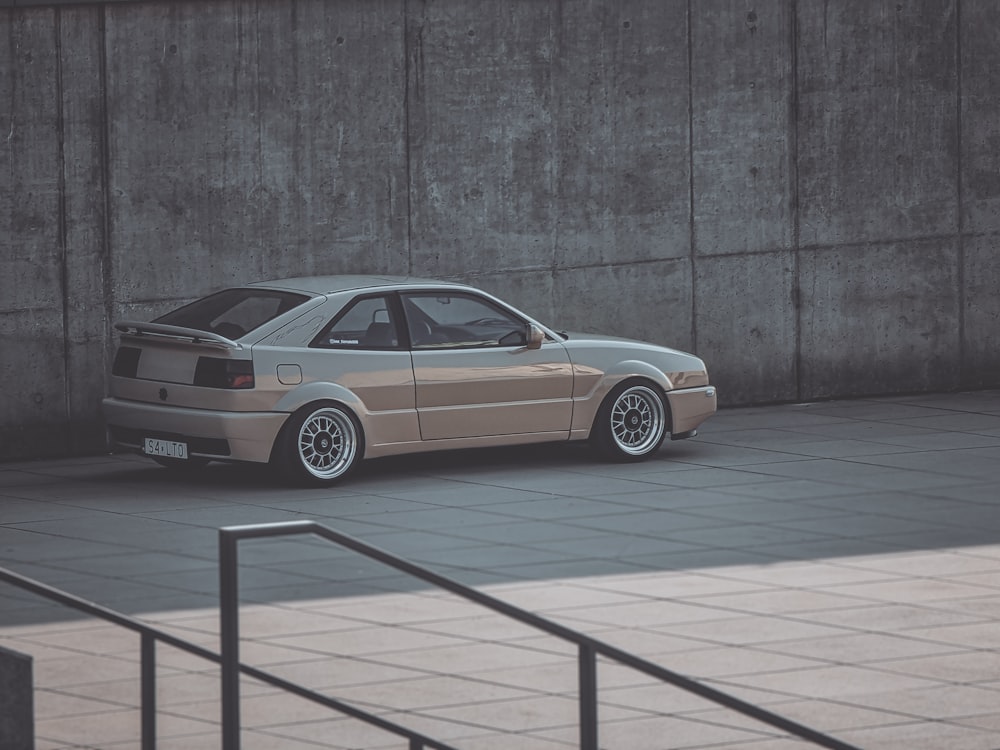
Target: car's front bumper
{"points": [[689, 407], [224, 435]]}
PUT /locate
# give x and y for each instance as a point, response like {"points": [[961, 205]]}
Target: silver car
{"points": [[312, 375]]}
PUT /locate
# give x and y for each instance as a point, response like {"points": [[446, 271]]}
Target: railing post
{"points": [[229, 636], [17, 698], [588, 697], [148, 690]]}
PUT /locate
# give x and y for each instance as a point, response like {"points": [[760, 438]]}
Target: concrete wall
{"points": [[804, 192]]}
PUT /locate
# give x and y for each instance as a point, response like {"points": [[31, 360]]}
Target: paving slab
{"points": [[837, 563]]}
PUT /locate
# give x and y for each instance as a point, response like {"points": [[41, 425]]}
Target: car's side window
{"points": [[366, 323], [450, 320]]}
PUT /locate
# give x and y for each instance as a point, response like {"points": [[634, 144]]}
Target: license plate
{"points": [[165, 448]]}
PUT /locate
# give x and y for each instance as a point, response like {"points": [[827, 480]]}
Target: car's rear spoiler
{"points": [[136, 328]]}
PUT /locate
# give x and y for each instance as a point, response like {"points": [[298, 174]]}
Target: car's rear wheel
{"points": [[320, 445], [631, 422]]}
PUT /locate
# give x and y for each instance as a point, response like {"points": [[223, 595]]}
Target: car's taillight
{"points": [[126, 362], [240, 380], [224, 373]]}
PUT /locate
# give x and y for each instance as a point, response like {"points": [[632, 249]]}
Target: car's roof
{"points": [[345, 283]]}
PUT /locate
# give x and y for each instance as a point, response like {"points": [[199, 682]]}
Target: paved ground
{"points": [[837, 563]]}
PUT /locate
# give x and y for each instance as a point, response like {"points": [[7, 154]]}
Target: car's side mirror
{"points": [[535, 337]]}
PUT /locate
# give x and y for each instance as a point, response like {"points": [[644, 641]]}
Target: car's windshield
{"points": [[233, 312]]}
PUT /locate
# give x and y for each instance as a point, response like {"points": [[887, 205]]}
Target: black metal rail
{"points": [[150, 635], [588, 648], [231, 668]]}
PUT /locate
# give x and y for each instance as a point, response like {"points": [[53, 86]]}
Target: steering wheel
{"points": [[422, 332]]}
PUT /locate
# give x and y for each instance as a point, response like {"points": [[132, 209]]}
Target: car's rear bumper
{"points": [[689, 407], [226, 435]]}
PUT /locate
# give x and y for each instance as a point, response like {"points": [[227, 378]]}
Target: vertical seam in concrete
{"points": [[793, 187], [960, 199], [61, 216], [406, 136], [555, 70], [691, 195], [107, 276], [262, 260], [13, 89]]}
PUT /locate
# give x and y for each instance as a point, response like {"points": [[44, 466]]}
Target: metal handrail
{"points": [[588, 648], [150, 635]]}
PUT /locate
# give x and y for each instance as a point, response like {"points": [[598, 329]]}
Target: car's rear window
{"points": [[233, 312]]}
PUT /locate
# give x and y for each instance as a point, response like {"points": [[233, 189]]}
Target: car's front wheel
{"points": [[320, 445], [631, 423]]}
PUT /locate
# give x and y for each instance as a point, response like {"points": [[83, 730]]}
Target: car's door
{"points": [[475, 375], [363, 349]]}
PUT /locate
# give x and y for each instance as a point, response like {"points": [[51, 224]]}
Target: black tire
{"points": [[320, 445], [631, 423]]}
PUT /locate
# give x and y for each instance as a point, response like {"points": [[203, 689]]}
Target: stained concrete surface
{"points": [[837, 563]]}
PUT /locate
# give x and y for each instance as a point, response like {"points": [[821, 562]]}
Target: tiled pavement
{"points": [[837, 563]]}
